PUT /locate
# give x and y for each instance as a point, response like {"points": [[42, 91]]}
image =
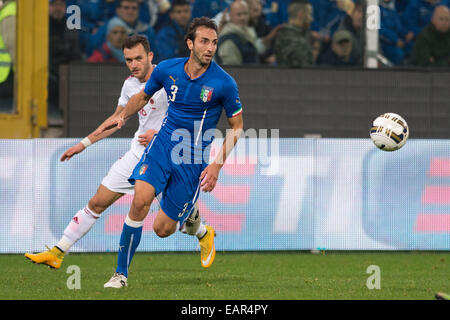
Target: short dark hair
{"points": [[134, 40], [199, 22], [295, 7], [179, 3]]}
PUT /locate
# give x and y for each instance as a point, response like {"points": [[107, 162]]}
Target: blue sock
{"points": [[129, 241]]}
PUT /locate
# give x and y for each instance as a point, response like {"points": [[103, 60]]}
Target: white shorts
{"points": [[117, 178]]}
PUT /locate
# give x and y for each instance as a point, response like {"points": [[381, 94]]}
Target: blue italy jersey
{"points": [[195, 105]]}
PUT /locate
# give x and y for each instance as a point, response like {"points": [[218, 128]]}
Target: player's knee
{"points": [[140, 203], [161, 230], [139, 209], [96, 206]]}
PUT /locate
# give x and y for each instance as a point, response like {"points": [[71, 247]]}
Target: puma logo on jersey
{"points": [[174, 80]]}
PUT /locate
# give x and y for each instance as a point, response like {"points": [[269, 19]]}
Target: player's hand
{"points": [[117, 121], [146, 137], [209, 176], [72, 151]]}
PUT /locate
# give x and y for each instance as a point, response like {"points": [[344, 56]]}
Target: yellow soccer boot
{"points": [[52, 257], [207, 248]]}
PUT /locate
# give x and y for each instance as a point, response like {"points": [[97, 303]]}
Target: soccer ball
{"points": [[389, 132]]}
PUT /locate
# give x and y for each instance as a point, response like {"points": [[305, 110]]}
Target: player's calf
{"points": [[80, 224]]}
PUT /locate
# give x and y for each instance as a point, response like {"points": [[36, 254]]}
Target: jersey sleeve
{"points": [[155, 82], [123, 99], [231, 100]]}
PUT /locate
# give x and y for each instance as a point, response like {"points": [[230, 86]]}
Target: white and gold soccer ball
{"points": [[389, 132]]}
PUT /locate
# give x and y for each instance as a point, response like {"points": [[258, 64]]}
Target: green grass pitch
{"points": [[234, 276]]}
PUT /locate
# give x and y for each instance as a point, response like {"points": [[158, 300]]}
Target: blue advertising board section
{"points": [[296, 194]]}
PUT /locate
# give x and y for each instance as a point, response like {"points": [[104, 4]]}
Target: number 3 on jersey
{"points": [[184, 210], [173, 92]]}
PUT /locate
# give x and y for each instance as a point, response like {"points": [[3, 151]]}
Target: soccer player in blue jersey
{"points": [[173, 163]]}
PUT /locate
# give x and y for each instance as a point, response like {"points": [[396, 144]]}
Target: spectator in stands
{"points": [[432, 48], [238, 41], [257, 18], [97, 12], [111, 50], [340, 51], [91, 19], [154, 12], [8, 11], [329, 13], [264, 31], [417, 15], [353, 22], [293, 42], [92, 16], [128, 12], [170, 39], [392, 33], [64, 47]]}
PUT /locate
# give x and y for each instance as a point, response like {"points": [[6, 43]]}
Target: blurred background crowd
{"points": [[292, 33], [274, 32]]}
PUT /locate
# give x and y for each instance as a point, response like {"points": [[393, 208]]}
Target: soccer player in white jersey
{"points": [[115, 184]]}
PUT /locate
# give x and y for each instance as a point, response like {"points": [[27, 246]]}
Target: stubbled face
{"points": [[138, 61], [117, 36], [181, 15], [204, 45], [304, 17], [128, 11], [254, 9]]}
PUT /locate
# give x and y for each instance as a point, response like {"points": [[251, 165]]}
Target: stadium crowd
{"points": [[273, 32], [293, 33]]}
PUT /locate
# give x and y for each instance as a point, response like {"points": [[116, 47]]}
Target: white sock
{"points": [[132, 223], [80, 224], [201, 231]]}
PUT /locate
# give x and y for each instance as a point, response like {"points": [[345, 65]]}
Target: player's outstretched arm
{"points": [[210, 175], [136, 103], [91, 138]]}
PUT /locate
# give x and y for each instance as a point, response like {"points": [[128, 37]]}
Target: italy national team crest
{"points": [[206, 94], [143, 169]]}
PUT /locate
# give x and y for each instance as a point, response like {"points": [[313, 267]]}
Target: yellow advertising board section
{"points": [[32, 73]]}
